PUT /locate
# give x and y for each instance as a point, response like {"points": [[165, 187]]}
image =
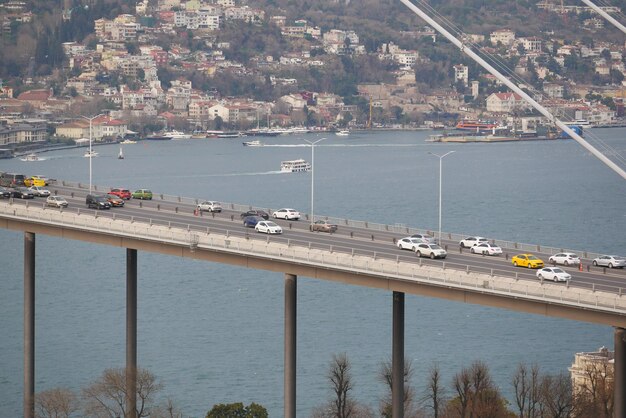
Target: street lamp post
{"points": [[90, 135], [312, 143], [440, 181]]}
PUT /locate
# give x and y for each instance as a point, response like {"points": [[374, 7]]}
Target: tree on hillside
{"points": [[477, 395], [385, 375], [527, 385], [237, 410], [56, 403], [434, 394], [107, 395]]}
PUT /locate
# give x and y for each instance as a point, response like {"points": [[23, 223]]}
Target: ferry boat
{"points": [[343, 132], [176, 135], [31, 157], [476, 125], [294, 166], [255, 143], [579, 122], [128, 141], [90, 154]]}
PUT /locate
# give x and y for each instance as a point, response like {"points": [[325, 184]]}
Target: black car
{"points": [[22, 193], [97, 202], [4, 192], [254, 212]]}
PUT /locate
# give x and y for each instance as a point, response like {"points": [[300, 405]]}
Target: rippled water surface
{"points": [[214, 333]]}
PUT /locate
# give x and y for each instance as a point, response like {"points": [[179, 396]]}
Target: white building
{"points": [[505, 102], [461, 73], [586, 364], [502, 36]]}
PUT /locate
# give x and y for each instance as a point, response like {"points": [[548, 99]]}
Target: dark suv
{"points": [[97, 202], [253, 212]]}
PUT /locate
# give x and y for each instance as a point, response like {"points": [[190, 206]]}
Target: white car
{"points": [[408, 243], [424, 238], [39, 191], [554, 274], [486, 249], [567, 259], [268, 227], [210, 206], [286, 213], [469, 242], [56, 201], [430, 250], [610, 261]]}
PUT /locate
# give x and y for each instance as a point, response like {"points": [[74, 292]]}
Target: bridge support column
{"points": [[29, 325], [131, 333], [397, 360], [291, 290], [620, 373]]}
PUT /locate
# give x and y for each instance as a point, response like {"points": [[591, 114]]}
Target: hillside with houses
{"points": [[202, 65]]}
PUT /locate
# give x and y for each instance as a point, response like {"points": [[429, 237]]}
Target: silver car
{"points": [[56, 201], [210, 206], [425, 238], [610, 261], [430, 250]]}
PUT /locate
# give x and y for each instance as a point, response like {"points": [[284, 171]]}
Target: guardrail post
{"points": [[72, 194], [460, 250], [351, 234], [445, 247], [159, 206], [567, 283], [516, 277], [372, 237], [169, 225], [538, 248], [331, 249], [588, 267], [346, 222], [79, 186], [394, 240], [491, 274], [56, 192], [603, 270], [467, 269], [176, 209], [140, 204], [374, 255], [207, 230], [290, 225], [179, 198], [232, 217], [506, 256], [515, 245], [443, 265], [366, 225], [161, 195]]}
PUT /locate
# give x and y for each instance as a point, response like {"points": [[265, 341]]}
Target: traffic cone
{"points": [[580, 267]]}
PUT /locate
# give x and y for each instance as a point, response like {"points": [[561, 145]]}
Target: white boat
{"points": [[294, 166], [343, 132], [176, 135], [120, 156], [128, 141], [31, 157], [90, 154], [255, 143], [579, 122]]}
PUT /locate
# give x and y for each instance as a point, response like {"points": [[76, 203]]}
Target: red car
{"points": [[121, 193]]}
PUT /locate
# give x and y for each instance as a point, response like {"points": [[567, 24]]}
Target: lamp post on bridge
{"points": [[90, 119], [441, 157], [312, 143]]}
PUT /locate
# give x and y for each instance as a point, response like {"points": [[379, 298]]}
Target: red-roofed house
{"points": [[37, 98]]}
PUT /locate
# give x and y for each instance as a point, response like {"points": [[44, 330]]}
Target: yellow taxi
{"points": [[35, 181], [527, 260]]}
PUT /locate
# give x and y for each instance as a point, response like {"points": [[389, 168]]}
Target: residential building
{"points": [[503, 36], [587, 364], [505, 102]]}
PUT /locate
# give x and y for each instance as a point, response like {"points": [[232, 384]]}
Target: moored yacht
{"points": [[176, 135]]}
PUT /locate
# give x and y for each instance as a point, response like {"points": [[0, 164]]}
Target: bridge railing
{"points": [[398, 230], [339, 257]]}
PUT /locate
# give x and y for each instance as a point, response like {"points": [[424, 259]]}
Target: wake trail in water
{"points": [[196, 176], [342, 145]]}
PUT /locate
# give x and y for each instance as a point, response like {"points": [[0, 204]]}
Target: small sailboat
{"points": [[120, 156]]}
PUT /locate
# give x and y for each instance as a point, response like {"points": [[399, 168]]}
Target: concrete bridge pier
{"points": [[397, 360], [131, 333], [620, 373], [291, 291], [29, 325]]}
